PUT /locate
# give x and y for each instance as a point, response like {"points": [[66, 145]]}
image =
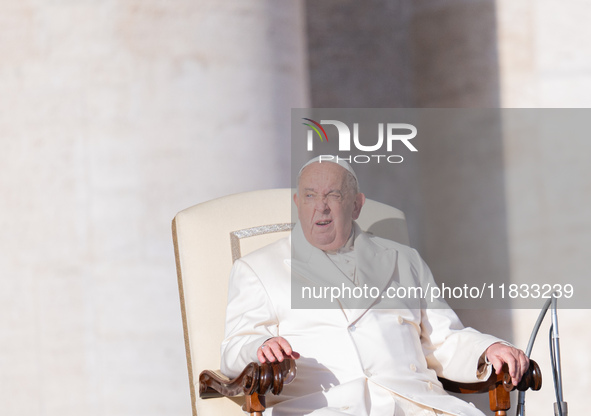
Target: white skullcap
{"points": [[331, 159]]}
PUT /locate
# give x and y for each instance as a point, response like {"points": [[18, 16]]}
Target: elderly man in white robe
{"points": [[356, 358]]}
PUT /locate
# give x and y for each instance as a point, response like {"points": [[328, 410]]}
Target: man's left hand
{"points": [[518, 363]]}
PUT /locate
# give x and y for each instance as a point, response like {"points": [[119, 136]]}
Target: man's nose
{"points": [[321, 203]]}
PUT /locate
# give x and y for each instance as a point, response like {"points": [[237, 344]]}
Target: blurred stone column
{"points": [[543, 63], [115, 115], [461, 180], [425, 54]]}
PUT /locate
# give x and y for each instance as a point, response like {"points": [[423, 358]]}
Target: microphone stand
{"points": [[562, 409], [560, 406]]}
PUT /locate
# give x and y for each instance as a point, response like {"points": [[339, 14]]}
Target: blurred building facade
{"points": [[115, 115]]}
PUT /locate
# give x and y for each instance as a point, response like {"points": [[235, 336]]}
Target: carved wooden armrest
{"points": [[498, 386], [254, 382]]}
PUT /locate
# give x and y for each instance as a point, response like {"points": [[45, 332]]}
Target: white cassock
{"points": [[358, 357]]}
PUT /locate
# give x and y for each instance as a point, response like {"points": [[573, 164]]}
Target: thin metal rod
{"points": [[556, 344], [534, 333]]}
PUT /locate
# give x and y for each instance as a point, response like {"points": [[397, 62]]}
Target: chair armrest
{"points": [[532, 379], [498, 386], [254, 382], [255, 378]]}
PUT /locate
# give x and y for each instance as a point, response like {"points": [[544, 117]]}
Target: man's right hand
{"points": [[276, 348]]}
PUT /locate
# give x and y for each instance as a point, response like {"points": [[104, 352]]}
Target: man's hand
{"points": [[276, 348], [518, 363]]}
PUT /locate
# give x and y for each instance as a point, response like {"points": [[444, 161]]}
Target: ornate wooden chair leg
{"points": [[499, 400], [255, 404]]}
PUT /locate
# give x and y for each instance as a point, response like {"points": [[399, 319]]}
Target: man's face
{"points": [[326, 205]]}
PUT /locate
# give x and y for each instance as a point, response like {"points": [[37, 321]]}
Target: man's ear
{"points": [[359, 201], [295, 199]]}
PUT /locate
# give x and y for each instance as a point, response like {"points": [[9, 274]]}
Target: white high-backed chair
{"points": [[208, 238]]}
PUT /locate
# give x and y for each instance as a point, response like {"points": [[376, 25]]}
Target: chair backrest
{"points": [[208, 237]]}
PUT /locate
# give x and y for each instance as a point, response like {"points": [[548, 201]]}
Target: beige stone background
{"points": [[114, 115]]}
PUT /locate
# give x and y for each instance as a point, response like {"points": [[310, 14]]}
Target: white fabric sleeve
{"points": [[453, 351], [250, 319]]}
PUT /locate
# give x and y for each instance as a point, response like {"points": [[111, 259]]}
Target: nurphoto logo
{"points": [[389, 135]]}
